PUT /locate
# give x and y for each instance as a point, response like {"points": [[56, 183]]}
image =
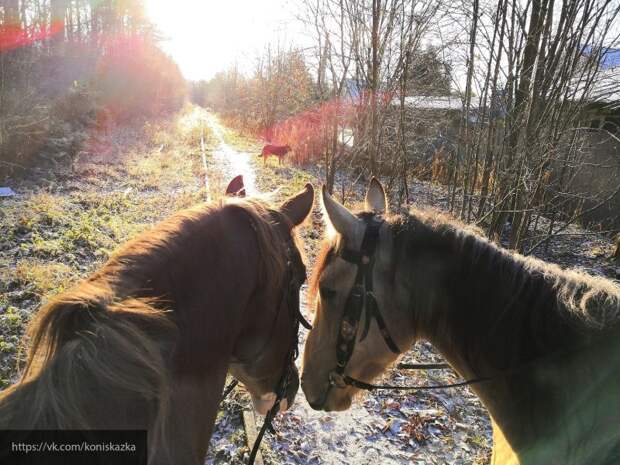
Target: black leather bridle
{"points": [[291, 299], [362, 298]]}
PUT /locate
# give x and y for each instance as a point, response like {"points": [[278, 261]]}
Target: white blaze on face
{"points": [[263, 404]]}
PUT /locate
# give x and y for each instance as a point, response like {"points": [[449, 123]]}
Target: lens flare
{"points": [[13, 36]]}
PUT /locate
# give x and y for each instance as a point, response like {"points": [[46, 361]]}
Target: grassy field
{"points": [[59, 229]]}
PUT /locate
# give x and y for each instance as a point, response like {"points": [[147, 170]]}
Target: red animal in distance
{"points": [[277, 150]]}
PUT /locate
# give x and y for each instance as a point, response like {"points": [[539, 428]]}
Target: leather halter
{"points": [[290, 298], [361, 297]]}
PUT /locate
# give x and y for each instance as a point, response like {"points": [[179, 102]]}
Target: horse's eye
{"points": [[326, 293]]}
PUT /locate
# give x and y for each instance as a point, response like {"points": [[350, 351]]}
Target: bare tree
{"points": [[366, 49], [519, 150]]}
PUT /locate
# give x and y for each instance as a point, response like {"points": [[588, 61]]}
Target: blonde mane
{"points": [[580, 297]]}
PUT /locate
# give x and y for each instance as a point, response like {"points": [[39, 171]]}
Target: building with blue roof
{"points": [[610, 57]]}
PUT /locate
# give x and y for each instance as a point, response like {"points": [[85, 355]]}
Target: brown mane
{"points": [[170, 237]]}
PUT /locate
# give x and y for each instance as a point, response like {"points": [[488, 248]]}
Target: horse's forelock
{"points": [[323, 259]]}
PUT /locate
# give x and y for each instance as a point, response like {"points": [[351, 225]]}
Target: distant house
{"points": [[438, 117], [599, 174], [432, 102], [455, 105], [603, 97], [433, 122]]}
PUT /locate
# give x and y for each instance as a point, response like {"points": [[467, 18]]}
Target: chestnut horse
{"points": [[146, 342], [543, 342], [277, 150]]}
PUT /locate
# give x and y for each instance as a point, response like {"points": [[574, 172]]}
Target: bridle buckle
{"points": [[336, 380]]}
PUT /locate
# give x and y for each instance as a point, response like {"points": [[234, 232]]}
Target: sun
{"points": [[205, 37]]}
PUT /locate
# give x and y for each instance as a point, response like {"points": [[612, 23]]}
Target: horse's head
{"points": [[267, 347], [353, 282]]}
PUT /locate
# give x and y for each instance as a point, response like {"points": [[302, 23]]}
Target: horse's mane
{"points": [[580, 298], [106, 334]]}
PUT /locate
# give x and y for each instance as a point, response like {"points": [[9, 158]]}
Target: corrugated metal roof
{"points": [[438, 102], [605, 89], [610, 57]]}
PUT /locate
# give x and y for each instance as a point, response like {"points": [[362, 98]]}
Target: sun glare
{"points": [[205, 37]]}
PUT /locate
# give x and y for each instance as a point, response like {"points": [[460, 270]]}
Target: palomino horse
{"points": [[543, 342], [146, 342]]}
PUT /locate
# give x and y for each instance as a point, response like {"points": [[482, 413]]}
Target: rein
{"points": [[290, 298], [362, 298]]}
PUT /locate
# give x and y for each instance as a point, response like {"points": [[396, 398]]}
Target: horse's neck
{"points": [[545, 375], [559, 411], [489, 321]]}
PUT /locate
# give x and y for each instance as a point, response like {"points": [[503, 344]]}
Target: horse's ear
{"points": [[375, 197], [338, 217], [236, 188], [298, 207]]}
